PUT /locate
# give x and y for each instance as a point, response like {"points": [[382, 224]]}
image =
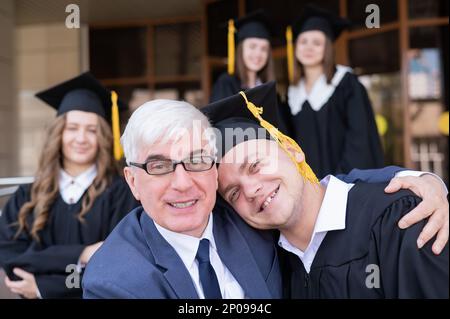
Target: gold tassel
{"points": [[118, 151], [283, 140], [231, 50], [290, 54]]}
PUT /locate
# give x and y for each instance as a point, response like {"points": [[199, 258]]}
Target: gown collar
{"points": [[320, 92]]}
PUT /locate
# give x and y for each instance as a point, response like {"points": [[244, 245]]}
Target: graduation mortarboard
{"points": [[86, 93], [253, 109], [254, 25], [82, 93], [314, 18]]}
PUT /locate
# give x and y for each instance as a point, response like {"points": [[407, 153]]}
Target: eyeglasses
{"points": [[165, 166]]}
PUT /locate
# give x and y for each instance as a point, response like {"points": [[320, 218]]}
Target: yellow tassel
{"points": [[290, 54], [283, 140], [231, 50], [118, 151]]}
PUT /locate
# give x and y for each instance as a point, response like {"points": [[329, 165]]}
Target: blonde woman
{"points": [[51, 228]]}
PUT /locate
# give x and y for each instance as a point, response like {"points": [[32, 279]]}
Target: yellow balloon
{"points": [[443, 123], [382, 124]]}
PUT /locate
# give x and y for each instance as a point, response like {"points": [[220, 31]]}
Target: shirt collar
{"points": [[332, 212], [84, 180], [334, 205], [186, 246], [320, 92]]}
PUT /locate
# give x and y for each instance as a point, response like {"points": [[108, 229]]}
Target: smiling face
{"points": [[261, 183], [180, 201], [310, 48], [79, 139], [255, 53]]}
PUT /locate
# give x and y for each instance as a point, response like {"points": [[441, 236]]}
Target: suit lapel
{"points": [[165, 256], [238, 258]]}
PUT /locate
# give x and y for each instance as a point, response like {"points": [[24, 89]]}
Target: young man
{"points": [[338, 240]]}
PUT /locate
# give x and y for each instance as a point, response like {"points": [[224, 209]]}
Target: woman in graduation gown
{"points": [[254, 64], [337, 239], [50, 229], [331, 115]]}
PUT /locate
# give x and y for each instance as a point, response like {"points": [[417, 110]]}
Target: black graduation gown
{"points": [[228, 85], [371, 237], [63, 238], [225, 86], [342, 135]]}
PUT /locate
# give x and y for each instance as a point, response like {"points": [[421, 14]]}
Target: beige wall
{"points": [[8, 118], [46, 54], [8, 113]]}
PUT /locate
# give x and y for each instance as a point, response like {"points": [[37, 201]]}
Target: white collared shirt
{"points": [[186, 247], [72, 188], [320, 92], [331, 217]]}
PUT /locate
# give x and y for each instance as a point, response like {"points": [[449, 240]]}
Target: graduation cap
{"points": [[86, 93], [313, 18], [253, 109], [254, 25]]}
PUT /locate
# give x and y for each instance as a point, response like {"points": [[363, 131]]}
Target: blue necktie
{"points": [[208, 277]]}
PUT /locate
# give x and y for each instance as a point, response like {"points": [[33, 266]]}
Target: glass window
{"points": [[357, 11], [218, 13], [178, 49], [384, 92], [427, 8], [428, 63], [428, 82], [118, 52], [377, 53]]}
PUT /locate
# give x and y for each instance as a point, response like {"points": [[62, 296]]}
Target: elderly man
{"points": [[180, 243]]}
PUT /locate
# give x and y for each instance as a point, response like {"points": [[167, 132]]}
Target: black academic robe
{"points": [[225, 86], [228, 85], [342, 135], [63, 238], [346, 261]]}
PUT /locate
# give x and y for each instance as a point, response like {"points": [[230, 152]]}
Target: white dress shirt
{"points": [[186, 247], [332, 215], [72, 188]]}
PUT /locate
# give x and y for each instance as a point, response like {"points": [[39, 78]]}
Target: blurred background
{"points": [[146, 49]]}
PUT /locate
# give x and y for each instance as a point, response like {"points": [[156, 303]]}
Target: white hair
{"points": [[161, 120]]}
